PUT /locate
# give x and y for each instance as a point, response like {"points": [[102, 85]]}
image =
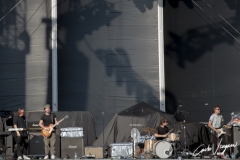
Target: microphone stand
{"points": [[185, 151]]}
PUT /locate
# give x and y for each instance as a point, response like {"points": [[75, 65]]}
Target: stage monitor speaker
{"points": [[97, 151], [236, 138], [36, 144], [70, 146]]}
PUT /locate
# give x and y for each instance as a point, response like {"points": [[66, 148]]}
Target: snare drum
{"points": [[173, 137]]}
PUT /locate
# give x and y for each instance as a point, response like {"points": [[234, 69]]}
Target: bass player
{"points": [[47, 119]]}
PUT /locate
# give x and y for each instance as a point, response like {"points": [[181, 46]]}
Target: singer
{"points": [[162, 129]]}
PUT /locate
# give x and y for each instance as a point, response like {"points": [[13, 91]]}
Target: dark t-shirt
{"points": [[48, 119], [161, 131], [21, 123]]}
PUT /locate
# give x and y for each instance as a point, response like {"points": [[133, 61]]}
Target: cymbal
{"points": [[182, 122], [148, 129]]}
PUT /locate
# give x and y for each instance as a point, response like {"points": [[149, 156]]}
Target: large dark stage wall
{"points": [[202, 56], [107, 56]]}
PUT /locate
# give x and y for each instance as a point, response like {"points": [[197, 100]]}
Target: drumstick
{"points": [[169, 131]]}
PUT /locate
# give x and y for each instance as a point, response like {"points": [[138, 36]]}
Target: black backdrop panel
{"points": [[202, 57]]}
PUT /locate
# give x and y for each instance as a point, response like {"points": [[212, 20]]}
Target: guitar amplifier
{"points": [[36, 144], [33, 126], [70, 146]]}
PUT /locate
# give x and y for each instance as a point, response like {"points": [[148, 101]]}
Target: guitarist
{"points": [[21, 137], [46, 119], [216, 122]]}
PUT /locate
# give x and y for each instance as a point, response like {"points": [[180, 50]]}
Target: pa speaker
{"points": [[36, 144], [70, 146], [236, 138]]}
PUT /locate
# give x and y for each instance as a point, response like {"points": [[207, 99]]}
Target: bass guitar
{"points": [[47, 130]]}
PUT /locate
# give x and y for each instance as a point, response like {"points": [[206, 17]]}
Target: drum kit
{"points": [[165, 148]]}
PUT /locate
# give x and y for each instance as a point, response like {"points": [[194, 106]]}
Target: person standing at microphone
{"points": [[162, 129]]}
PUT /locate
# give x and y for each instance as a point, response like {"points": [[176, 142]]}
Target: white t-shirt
{"points": [[216, 120]]}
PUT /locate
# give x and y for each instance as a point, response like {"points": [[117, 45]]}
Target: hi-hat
{"points": [[148, 129]]}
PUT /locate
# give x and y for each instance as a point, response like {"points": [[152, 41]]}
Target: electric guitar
{"points": [[48, 131], [224, 129]]}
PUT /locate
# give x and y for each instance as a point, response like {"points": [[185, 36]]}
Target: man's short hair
{"points": [[47, 106]]}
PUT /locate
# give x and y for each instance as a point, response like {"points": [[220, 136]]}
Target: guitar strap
{"points": [[52, 118]]}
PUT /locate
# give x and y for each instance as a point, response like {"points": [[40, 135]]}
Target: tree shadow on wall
{"points": [[192, 44], [76, 20], [118, 65], [144, 5], [14, 47]]}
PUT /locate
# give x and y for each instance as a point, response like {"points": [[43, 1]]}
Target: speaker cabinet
{"points": [[236, 138], [70, 146], [36, 144], [97, 151]]}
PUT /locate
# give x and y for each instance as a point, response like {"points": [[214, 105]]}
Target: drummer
{"points": [[162, 129]]}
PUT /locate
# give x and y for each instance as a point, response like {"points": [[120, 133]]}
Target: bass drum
{"points": [[163, 149]]}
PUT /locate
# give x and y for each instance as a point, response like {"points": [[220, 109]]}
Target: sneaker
{"points": [[46, 157], [19, 157], [26, 157], [225, 157], [53, 157]]}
